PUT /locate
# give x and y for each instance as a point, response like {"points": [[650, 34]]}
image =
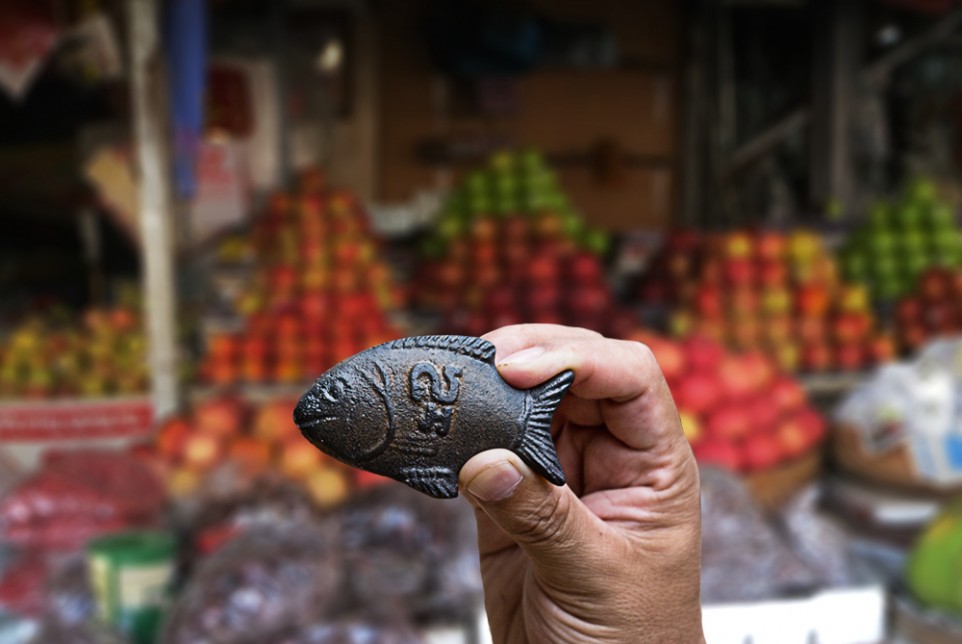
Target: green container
{"points": [[131, 574]]}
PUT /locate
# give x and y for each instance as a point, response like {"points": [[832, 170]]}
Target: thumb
{"points": [[548, 522]]}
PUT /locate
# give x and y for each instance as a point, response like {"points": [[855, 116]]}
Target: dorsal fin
{"points": [[476, 348]]}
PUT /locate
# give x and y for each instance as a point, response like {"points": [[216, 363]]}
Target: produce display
{"points": [[934, 568], [738, 410], [102, 353], [318, 294], [900, 239], [507, 249], [227, 429], [933, 308], [769, 291]]}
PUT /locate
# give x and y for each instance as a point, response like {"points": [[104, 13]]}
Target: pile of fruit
{"points": [[900, 239], [57, 355], [228, 429], [319, 294], [767, 291], [933, 308], [738, 411], [508, 249], [511, 186]]}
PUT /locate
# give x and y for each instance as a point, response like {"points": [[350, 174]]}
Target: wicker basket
{"points": [[893, 468], [774, 486]]}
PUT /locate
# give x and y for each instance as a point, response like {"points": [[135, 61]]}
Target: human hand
{"points": [[613, 556]]}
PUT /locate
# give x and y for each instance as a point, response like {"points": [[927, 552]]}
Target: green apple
{"points": [[881, 242], [921, 191], [855, 265], [940, 217], [909, 216], [879, 217], [913, 242], [531, 160], [913, 265]]}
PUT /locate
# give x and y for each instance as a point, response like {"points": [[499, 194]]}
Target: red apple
{"points": [[763, 413], [812, 300], [792, 438], [739, 272], [935, 285], [202, 450], [697, 392], [881, 349], [670, 357], [772, 274], [585, 268], [703, 354], [743, 302], [787, 395], [816, 357], [171, 436], [761, 452], [718, 453], [223, 415], [849, 357], [770, 246], [908, 310], [729, 422], [813, 423], [736, 378], [708, 302]]}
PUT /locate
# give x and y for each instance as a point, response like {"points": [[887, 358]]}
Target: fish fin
{"points": [[439, 482], [536, 447], [473, 347]]}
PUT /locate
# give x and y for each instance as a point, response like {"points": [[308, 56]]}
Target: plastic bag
{"points": [[743, 556], [412, 554], [264, 581]]}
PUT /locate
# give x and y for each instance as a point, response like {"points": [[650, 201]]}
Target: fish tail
{"points": [[536, 447]]}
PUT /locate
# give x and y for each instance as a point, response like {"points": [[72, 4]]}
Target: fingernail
{"points": [[495, 483], [525, 355]]}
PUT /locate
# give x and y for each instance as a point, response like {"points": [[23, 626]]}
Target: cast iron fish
{"points": [[418, 408]]}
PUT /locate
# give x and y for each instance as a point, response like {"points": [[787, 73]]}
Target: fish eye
{"points": [[332, 390]]}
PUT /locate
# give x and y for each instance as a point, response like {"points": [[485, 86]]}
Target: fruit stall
{"points": [[189, 245]]}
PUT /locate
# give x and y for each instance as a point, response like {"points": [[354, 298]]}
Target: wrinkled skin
{"points": [[614, 555]]}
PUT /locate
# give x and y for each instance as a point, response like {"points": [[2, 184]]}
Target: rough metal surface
{"points": [[418, 408]]}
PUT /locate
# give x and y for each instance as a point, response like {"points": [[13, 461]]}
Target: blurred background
{"points": [[206, 204]]}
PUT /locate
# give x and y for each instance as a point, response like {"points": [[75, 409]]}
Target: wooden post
{"points": [[837, 62], [148, 99]]}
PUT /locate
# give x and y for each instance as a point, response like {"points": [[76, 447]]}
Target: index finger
{"points": [[622, 376]]}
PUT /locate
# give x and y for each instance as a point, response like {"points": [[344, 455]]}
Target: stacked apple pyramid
{"points": [[900, 239], [738, 411], [319, 294], [769, 291], [508, 249]]}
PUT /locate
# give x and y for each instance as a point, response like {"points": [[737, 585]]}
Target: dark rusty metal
{"points": [[418, 408]]}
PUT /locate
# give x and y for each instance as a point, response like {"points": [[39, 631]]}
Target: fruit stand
{"points": [[281, 194]]}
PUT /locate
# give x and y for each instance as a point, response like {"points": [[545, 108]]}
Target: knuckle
{"points": [[546, 522]]}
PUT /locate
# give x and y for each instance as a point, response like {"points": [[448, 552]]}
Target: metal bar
{"points": [[156, 211]]}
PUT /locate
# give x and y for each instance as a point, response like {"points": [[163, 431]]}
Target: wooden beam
{"points": [[149, 102]]}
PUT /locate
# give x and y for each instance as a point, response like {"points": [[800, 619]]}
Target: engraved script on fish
{"points": [[418, 408]]}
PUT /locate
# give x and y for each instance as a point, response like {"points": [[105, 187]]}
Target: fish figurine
{"points": [[416, 409]]}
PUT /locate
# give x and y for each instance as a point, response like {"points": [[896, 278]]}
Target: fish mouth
{"points": [[314, 422]]}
